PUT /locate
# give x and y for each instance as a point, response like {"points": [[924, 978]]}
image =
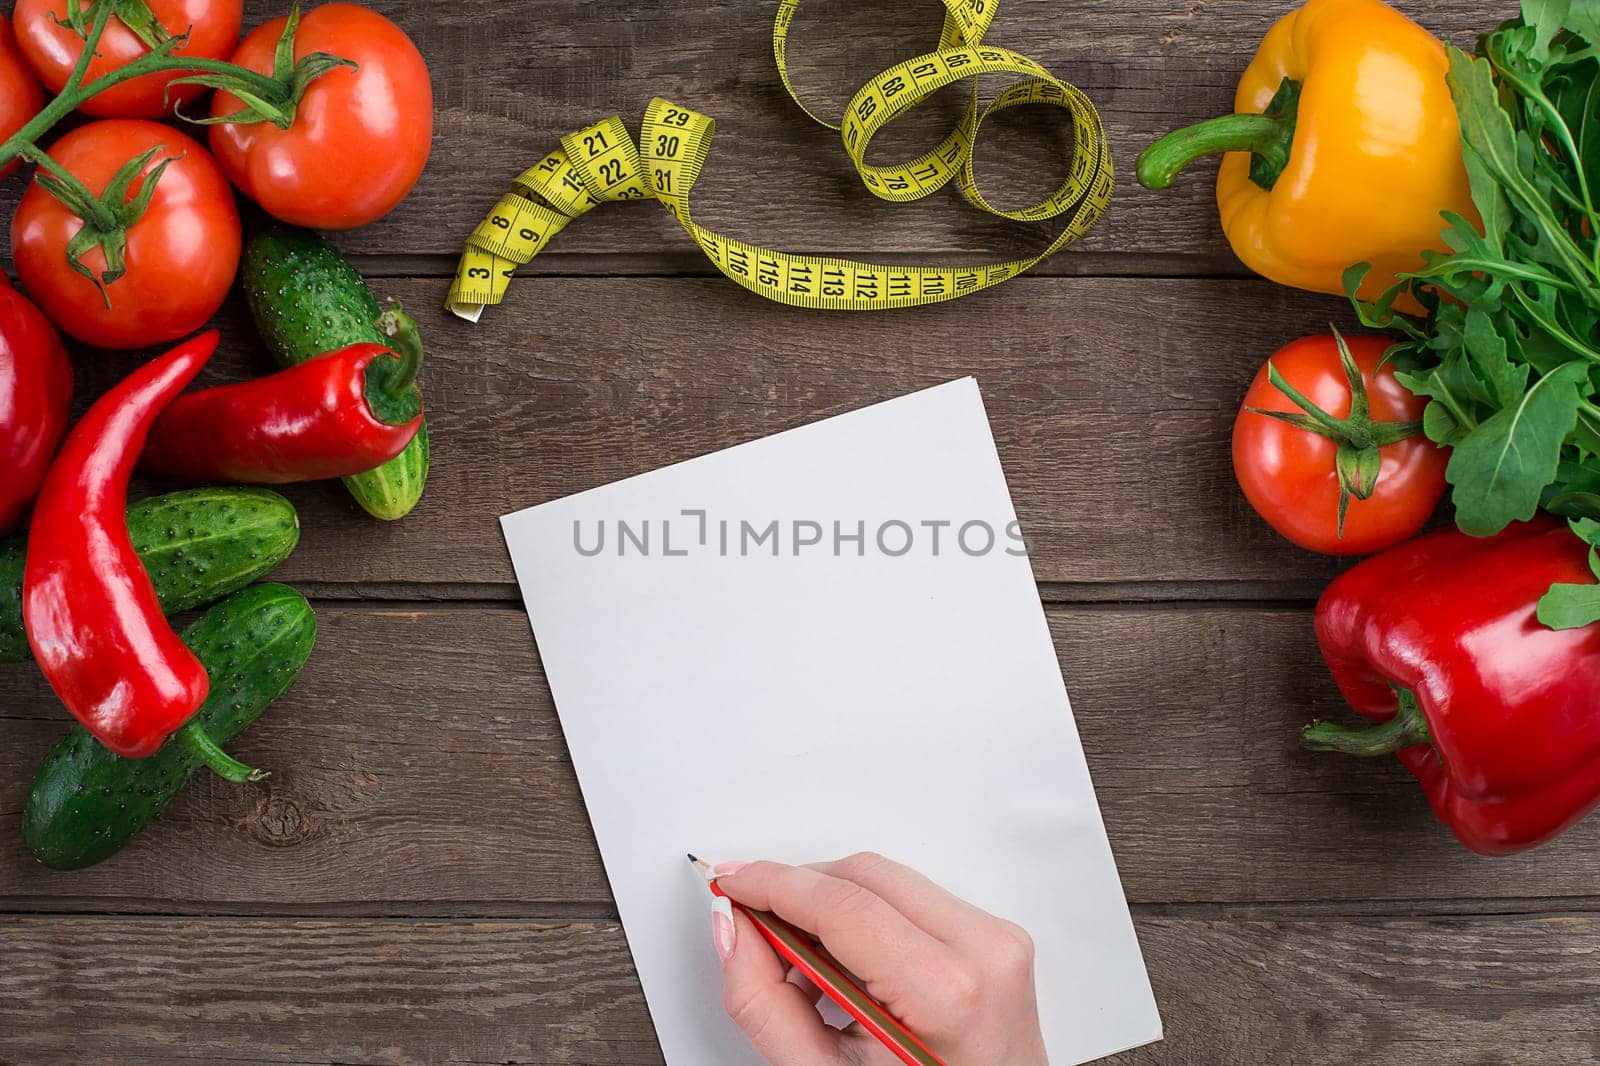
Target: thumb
{"points": [[778, 1017]]}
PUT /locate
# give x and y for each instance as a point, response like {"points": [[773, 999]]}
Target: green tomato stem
{"points": [[91, 44], [84, 202], [141, 21]]}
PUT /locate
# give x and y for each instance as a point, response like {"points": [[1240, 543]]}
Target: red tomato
{"points": [[20, 95], [181, 255], [360, 137], [53, 49], [1288, 474]]}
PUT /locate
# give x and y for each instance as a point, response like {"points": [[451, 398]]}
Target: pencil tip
{"points": [[692, 857]]}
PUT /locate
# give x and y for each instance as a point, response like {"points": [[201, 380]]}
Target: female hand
{"points": [[960, 979]]}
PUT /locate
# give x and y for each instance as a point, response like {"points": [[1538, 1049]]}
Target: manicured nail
{"points": [[723, 932], [728, 869]]}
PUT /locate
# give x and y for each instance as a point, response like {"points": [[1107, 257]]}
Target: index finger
{"points": [[897, 960]]}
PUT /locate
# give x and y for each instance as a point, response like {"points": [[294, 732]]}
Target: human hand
{"points": [[957, 977]]}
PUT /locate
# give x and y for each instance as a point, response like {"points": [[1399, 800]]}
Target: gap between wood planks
{"points": [[556, 913], [1254, 595]]}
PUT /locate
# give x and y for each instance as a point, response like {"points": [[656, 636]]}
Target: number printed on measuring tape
{"points": [[603, 163]]}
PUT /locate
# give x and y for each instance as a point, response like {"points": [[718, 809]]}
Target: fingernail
{"points": [[723, 933], [728, 869]]}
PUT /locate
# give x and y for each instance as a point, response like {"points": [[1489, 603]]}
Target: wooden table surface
{"points": [[417, 882]]}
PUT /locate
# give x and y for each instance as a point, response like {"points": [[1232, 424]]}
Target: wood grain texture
{"points": [[398, 993], [391, 992], [1112, 402], [511, 79], [1512, 992], [419, 767]]}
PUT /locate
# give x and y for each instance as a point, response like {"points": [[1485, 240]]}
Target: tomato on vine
{"points": [[52, 34], [1329, 448], [349, 149], [128, 235]]}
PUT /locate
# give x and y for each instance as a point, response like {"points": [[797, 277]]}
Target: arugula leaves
{"points": [[1508, 353], [1500, 469], [1574, 606]]}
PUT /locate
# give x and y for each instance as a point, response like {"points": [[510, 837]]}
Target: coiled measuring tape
{"points": [[603, 163]]}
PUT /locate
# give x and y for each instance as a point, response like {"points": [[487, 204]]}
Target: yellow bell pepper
{"points": [[1345, 149]]}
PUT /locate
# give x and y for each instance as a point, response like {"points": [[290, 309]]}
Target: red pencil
{"points": [[800, 951]]}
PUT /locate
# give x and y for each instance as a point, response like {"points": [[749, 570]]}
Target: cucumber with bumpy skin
{"points": [[87, 802], [198, 546], [307, 300]]}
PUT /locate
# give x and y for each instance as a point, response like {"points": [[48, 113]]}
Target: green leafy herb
{"points": [[1501, 468], [1508, 352], [1573, 606]]}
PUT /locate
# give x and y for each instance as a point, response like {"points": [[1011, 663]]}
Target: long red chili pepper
{"points": [[91, 612], [315, 420], [35, 397]]}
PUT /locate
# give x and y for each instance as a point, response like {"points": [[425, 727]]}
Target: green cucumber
{"points": [[307, 300], [198, 546], [86, 802]]}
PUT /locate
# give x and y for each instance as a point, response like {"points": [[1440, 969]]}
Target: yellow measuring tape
{"points": [[603, 163]]}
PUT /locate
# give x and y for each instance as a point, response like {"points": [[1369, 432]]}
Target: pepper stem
{"points": [[1407, 729], [400, 329], [1268, 137], [391, 379], [225, 766]]}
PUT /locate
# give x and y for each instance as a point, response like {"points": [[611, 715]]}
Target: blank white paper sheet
{"points": [[824, 642]]}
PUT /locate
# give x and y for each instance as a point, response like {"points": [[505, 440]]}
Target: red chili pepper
{"points": [[314, 420], [92, 615], [1497, 715], [35, 399]]}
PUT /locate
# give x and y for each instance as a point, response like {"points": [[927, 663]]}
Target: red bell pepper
{"points": [[35, 400], [1497, 715], [317, 419], [91, 612]]}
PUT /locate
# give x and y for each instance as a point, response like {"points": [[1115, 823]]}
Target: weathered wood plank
{"points": [[511, 79], [1511, 991], [360, 992], [419, 767], [1112, 401], [1449, 990]]}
